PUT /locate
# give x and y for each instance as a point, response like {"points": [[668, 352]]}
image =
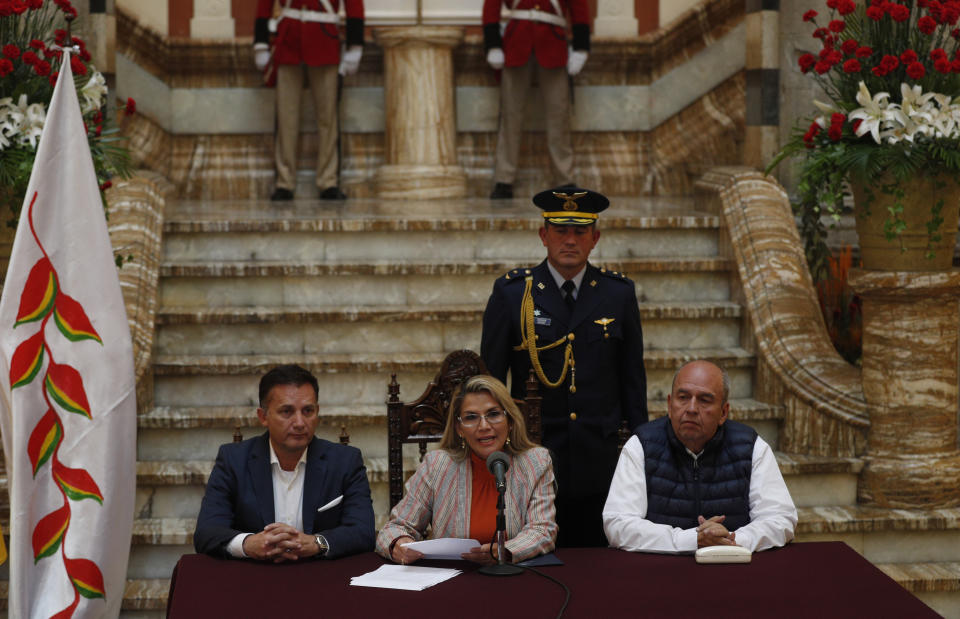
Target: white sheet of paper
{"points": [[407, 577], [443, 548]]}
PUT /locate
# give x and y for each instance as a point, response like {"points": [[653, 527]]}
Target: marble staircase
{"points": [[361, 290]]}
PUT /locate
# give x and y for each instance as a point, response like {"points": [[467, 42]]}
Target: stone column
{"points": [[762, 68], [421, 133], [615, 18], [910, 373]]}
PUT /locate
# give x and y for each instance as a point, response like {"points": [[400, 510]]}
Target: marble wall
{"points": [[651, 113]]}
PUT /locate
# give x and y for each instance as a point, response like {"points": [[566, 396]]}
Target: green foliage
{"points": [[831, 153], [46, 24]]}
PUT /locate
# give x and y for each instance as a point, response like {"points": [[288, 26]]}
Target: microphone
{"points": [[498, 463]]}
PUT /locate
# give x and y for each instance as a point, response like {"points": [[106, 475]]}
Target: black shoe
{"points": [[502, 191], [281, 195], [332, 193]]}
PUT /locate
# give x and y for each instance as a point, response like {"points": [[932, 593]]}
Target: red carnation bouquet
{"points": [[31, 31], [891, 74]]}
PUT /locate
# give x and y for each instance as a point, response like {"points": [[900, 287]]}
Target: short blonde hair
{"points": [[482, 383]]}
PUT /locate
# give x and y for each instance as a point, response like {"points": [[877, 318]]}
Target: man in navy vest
{"points": [[695, 479]]}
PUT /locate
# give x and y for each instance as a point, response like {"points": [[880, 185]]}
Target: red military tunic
{"points": [[313, 43], [524, 36]]}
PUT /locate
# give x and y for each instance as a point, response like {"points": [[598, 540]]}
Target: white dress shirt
{"points": [[773, 517], [287, 499], [560, 279]]}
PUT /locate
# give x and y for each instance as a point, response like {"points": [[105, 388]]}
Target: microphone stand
{"points": [[502, 568]]}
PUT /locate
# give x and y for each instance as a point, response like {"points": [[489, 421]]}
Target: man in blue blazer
{"points": [[286, 494], [578, 326]]}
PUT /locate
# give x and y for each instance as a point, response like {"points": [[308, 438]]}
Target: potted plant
{"points": [[31, 35], [890, 131]]}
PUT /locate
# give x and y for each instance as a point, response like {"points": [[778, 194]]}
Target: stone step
{"points": [[936, 584], [207, 286], [925, 577], [517, 246], [171, 433], [413, 331], [819, 480], [227, 417], [240, 315], [375, 215], [885, 535], [390, 268], [361, 379]]}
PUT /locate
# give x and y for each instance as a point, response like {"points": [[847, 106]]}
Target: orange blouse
{"points": [[483, 502]]}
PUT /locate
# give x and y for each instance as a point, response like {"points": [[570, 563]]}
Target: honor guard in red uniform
{"points": [[535, 40], [307, 47]]}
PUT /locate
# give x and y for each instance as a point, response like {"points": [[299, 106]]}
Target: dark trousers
{"points": [[580, 520]]}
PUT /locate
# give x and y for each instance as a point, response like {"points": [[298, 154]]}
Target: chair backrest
{"points": [[423, 420]]}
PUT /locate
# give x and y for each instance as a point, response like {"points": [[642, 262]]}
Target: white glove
{"points": [[350, 60], [495, 57], [261, 55], [575, 61]]}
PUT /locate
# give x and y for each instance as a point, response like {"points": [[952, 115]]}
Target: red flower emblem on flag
{"points": [[49, 532], [44, 440], [26, 361], [39, 293], [62, 385], [86, 577], [77, 483], [72, 320], [65, 385]]}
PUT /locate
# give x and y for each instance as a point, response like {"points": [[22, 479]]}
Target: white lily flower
{"points": [[828, 111], [943, 124], [872, 114], [93, 92], [11, 119], [34, 115], [954, 112], [917, 107]]}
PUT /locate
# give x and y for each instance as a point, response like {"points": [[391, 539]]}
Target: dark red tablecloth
{"points": [[809, 580]]}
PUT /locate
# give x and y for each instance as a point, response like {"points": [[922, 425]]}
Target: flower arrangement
{"points": [[891, 71], [29, 57]]}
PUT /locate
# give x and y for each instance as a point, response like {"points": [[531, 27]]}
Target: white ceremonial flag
{"points": [[67, 397]]}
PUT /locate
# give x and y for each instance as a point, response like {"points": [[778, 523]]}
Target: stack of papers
{"points": [[408, 577]]}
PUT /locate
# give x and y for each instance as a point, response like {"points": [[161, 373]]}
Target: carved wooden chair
{"points": [[423, 420]]}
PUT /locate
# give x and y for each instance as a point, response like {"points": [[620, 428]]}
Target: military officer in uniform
{"points": [[307, 47], [535, 41], [578, 327]]}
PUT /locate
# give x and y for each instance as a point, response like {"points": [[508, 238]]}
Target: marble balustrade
{"points": [[136, 208], [826, 413]]}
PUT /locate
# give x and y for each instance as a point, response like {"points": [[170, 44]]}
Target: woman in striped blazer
{"points": [[453, 492]]}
